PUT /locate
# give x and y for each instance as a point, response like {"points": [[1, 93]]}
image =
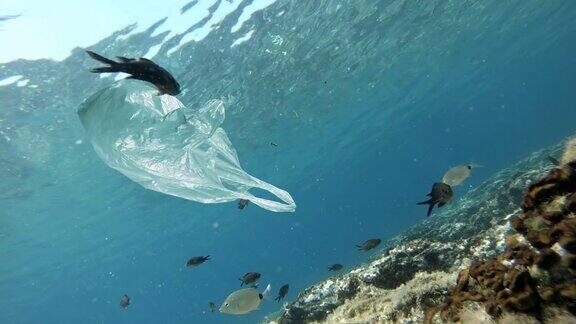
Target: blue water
{"points": [[412, 88]]}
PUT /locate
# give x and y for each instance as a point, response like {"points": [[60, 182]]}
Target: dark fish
{"points": [[282, 292], [369, 244], [249, 278], [124, 301], [335, 267], [441, 194], [212, 307], [196, 261], [553, 160], [273, 144], [140, 69], [242, 203]]}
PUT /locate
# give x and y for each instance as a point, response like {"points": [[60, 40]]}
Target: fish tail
{"points": [[430, 209], [425, 202], [105, 69], [101, 58]]}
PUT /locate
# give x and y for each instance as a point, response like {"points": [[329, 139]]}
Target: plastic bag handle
{"points": [[288, 206]]}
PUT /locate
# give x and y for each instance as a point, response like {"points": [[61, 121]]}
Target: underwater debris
{"points": [[537, 268], [147, 137]]}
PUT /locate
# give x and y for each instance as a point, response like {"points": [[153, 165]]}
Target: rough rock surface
{"points": [[419, 266]]}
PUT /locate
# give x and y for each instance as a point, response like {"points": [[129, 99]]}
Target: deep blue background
{"points": [[87, 235]]}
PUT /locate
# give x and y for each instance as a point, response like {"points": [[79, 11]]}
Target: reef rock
{"points": [[416, 278]]}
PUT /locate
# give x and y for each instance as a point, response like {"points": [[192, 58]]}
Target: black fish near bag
{"points": [[164, 146]]}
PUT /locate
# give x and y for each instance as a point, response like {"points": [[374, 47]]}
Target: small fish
{"points": [[273, 144], [441, 194], [196, 261], [249, 278], [553, 160], [242, 203], [369, 244], [282, 292], [212, 307], [335, 267], [243, 301], [458, 174], [124, 301], [140, 69]]}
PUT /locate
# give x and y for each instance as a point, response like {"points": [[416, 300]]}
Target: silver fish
{"points": [[243, 301], [458, 174]]}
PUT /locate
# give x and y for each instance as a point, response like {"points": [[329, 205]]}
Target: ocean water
{"points": [[369, 103]]}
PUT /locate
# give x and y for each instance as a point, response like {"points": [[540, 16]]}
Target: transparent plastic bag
{"points": [[164, 146]]}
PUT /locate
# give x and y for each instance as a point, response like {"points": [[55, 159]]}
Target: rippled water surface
{"points": [[369, 102]]}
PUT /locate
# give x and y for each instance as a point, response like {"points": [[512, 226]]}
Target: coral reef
{"points": [[525, 276], [537, 268]]}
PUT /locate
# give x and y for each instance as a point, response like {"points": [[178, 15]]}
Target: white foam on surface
{"points": [[224, 9], [249, 11], [22, 83], [152, 51], [242, 39], [10, 80], [120, 76]]}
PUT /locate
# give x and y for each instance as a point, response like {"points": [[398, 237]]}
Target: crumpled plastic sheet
{"points": [[164, 146]]}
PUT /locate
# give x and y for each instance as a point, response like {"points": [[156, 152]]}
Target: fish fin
{"points": [[266, 293], [105, 69], [207, 257], [425, 202], [429, 195], [430, 210], [146, 60], [241, 282], [125, 59], [441, 204], [101, 58]]}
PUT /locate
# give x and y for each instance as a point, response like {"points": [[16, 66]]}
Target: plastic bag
{"points": [[164, 146]]}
